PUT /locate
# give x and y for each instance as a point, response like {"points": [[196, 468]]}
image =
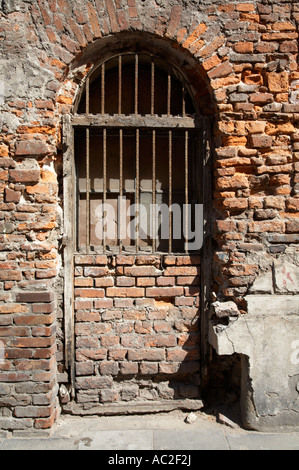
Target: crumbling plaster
{"points": [[267, 339]]}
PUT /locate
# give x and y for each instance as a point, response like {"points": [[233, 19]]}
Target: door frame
{"points": [[70, 230]]}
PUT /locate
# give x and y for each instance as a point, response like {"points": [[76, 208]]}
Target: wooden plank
{"points": [[170, 183], [206, 258], [137, 189], [154, 163], [186, 191], [115, 120], [87, 165], [69, 245]]}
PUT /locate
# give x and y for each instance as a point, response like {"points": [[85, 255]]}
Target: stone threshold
{"points": [[132, 408]]}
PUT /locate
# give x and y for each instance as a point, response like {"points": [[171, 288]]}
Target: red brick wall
{"points": [[137, 327], [243, 61], [29, 374]]}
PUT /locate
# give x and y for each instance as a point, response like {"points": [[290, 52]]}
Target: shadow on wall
{"points": [[144, 365], [224, 380]]}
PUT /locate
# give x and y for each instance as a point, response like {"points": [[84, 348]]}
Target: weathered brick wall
{"points": [[28, 375], [137, 327], [243, 59]]}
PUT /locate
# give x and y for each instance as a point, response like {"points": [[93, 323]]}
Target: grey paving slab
{"points": [[261, 441], [39, 444], [117, 440], [148, 432], [73, 426], [190, 440]]}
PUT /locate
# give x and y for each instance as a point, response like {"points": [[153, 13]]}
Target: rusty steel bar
{"points": [[152, 86], [170, 190], [136, 84], [183, 101], [103, 89], [168, 94]]}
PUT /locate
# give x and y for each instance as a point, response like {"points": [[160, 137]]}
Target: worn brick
{"points": [[151, 354], [95, 382], [292, 226], [95, 271], [182, 271], [125, 260], [196, 33], [141, 271], [164, 291], [90, 293], [221, 70], [125, 292], [292, 204], [188, 260], [174, 21], [278, 82], [94, 20], [188, 280], [35, 297], [25, 176], [244, 47], [12, 196], [31, 147], [261, 141], [266, 226], [165, 281]]}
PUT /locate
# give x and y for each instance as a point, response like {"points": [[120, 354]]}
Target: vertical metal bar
{"points": [[119, 83], [152, 86], [87, 189], [87, 173], [186, 188], [103, 89], [120, 188], [168, 94], [104, 185], [87, 96], [170, 190], [183, 101], [136, 84], [154, 190], [137, 199]]}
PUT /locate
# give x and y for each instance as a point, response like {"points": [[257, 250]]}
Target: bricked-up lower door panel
{"points": [[137, 327], [132, 298]]}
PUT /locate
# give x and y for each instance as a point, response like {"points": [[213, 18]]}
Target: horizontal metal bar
{"points": [[109, 192], [164, 121]]}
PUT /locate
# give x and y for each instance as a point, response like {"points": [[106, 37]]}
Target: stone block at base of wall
{"points": [[267, 338], [28, 371]]}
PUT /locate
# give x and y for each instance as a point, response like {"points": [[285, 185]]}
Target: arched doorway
{"points": [[134, 197]]}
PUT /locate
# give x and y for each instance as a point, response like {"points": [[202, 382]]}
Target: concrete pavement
{"points": [[160, 432]]}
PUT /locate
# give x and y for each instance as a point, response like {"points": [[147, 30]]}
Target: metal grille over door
{"points": [[136, 155]]}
